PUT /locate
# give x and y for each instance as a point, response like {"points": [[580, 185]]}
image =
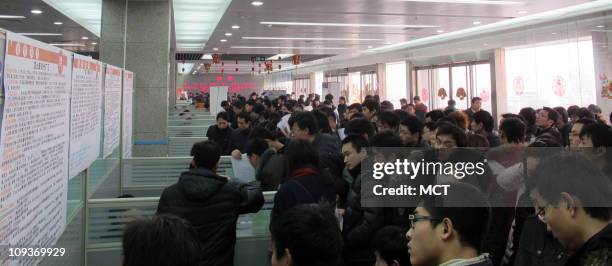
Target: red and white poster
{"points": [[85, 113], [112, 109], [128, 96], [34, 145]]}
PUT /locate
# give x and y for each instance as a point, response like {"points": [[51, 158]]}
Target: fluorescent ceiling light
{"points": [[282, 56], [86, 13], [344, 24], [206, 56], [94, 43], [67, 44], [36, 11], [223, 40], [257, 3], [476, 22], [85, 38], [40, 34], [273, 47], [228, 34], [440, 31], [235, 27], [58, 23], [215, 49], [196, 20], [309, 39], [11, 17], [474, 2]]}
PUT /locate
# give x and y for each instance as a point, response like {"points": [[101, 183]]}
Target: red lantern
{"points": [[252, 69], [253, 59], [222, 70], [236, 61], [279, 58], [236, 69], [222, 63], [207, 67], [216, 58]]}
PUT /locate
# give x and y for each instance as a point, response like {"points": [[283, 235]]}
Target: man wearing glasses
{"points": [[448, 231], [573, 197]]}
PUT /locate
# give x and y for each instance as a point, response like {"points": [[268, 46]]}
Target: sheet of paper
{"points": [[243, 170]]}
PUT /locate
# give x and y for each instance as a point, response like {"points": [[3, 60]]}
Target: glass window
{"points": [[395, 75], [460, 87]]}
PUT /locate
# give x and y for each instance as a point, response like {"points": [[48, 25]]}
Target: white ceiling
{"points": [[447, 17]]}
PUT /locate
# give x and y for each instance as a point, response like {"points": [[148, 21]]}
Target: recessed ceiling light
{"points": [[308, 39], [215, 49], [236, 27], [523, 12], [11, 17], [58, 23], [40, 34], [317, 24], [36, 11], [228, 34], [257, 3], [84, 38], [475, 2], [94, 43], [440, 31], [223, 40], [601, 26], [476, 22]]}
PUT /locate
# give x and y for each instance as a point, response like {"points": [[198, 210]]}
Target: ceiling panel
{"points": [[446, 17]]}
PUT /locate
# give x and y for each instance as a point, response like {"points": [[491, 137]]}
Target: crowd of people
{"points": [[551, 163]]}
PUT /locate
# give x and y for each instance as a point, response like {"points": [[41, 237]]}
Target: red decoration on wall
{"points": [[222, 70], [518, 85], [461, 93], [297, 59], [207, 67], [424, 95], [216, 58], [442, 93], [485, 95], [236, 69], [222, 63], [559, 86]]}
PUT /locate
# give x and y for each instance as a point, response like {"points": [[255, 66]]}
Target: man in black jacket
{"points": [[221, 132], [211, 203], [240, 136], [573, 197]]}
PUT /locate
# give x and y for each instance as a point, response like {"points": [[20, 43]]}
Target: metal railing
{"points": [[181, 147]]}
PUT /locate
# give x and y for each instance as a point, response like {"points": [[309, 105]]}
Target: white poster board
{"points": [[217, 95], [85, 113], [334, 89], [128, 96], [112, 109], [34, 144]]}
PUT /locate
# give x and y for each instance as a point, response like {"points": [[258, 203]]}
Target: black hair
{"points": [[386, 139], [390, 242], [356, 106], [451, 102], [255, 146], [430, 125], [435, 115], [485, 118], [259, 108], [300, 153], [251, 102], [290, 105], [224, 104], [585, 113], [594, 109], [467, 208], [161, 240], [386, 105], [322, 122], [557, 174], [245, 116], [586, 121], [600, 134], [304, 120], [310, 233], [403, 100], [261, 133], [372, 105], [206, 154], [563, 116], [476, 99], [388, 118], [238, 104], [552, 114], [514, 129], [455, 132], [357, 141], [357, 116], [329, 97], [414, 125], [477, 141], [572, 110], [529, 114], [223, 115], [359, 126]]}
